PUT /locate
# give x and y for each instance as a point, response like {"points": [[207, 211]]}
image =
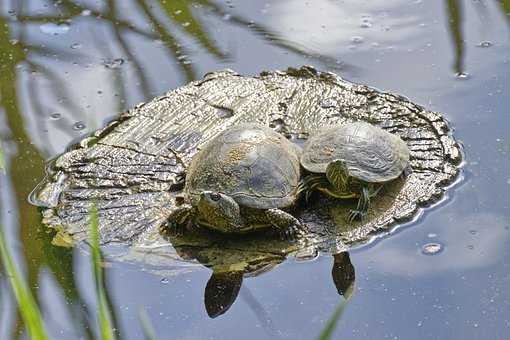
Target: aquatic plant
{"points": [[330, 327], [2, 164], [148, 330], [26, 302], [105, 317]]}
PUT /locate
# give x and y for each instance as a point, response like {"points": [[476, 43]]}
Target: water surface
{"points": [[67, 67]]}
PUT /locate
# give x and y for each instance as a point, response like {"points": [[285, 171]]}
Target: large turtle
{"points": [[240, 182], [356, 159]]}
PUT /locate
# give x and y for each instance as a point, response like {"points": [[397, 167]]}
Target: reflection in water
{"points": [[260, 312], [34, 82], [221, 292], [343, 274], [505, 8], [223, 288], [454, 8], [455, 11]]}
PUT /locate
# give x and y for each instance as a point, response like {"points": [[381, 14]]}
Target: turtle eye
{"points": [[215, 196]]}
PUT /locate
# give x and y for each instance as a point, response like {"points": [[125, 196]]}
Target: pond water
{"points": [[67, 67]]}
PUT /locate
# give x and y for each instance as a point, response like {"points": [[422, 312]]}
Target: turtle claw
{"points": [[293, 232], [356, 215], [307, 196], [286, 235]]}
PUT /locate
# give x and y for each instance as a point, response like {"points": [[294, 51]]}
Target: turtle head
{"points": [[219, 211], [337, 174]]}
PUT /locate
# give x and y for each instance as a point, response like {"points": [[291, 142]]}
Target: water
{"points": [[415, 48]]}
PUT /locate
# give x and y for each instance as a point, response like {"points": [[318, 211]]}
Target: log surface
{"points": [[131, 167]]}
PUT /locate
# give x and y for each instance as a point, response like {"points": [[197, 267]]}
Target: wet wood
{"points": [[131, 167]]}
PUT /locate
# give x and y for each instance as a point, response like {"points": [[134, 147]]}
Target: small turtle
{"points": [[240, 182], [356, 158]]}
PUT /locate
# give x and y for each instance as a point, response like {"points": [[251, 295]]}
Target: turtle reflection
{"points": [[223, 288], [232, 260]]}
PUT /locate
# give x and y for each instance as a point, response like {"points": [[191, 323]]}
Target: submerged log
{"points": [[132, 167]]}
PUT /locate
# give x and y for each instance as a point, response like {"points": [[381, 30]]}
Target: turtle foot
{"points": [[356, 215], [293, 232]]}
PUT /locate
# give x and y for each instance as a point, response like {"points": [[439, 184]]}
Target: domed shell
{"points": [[370, 153], [251, 163]]}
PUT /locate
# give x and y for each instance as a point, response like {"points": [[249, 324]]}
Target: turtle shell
{"points": [[256, 166], [370, 153]]}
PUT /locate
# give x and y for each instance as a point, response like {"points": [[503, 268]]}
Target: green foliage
{"points": [[26, 302], [330, 327], [2, 162], [147, 328], [105, 318]]}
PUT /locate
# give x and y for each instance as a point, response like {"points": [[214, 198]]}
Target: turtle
{"points": [[243, 180], [353, 160]]}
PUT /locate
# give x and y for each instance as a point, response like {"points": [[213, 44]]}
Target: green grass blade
{"points": [[105, 318], [330, 327], [148, 330], [27, 305], [2, 162]]}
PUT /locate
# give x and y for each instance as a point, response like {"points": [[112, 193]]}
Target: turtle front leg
{"points": [[311, 183], [367, 192], [363, 203], [287, 225], [180, 218]]}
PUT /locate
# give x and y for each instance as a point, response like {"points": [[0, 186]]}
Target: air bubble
{"points": [[76, 46], [462, 75], [485, 44], [79, 126], [366, 23], [432, 248], [55, 116], [357, 40], [113, 63], [86, 12], [164, 280]]}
